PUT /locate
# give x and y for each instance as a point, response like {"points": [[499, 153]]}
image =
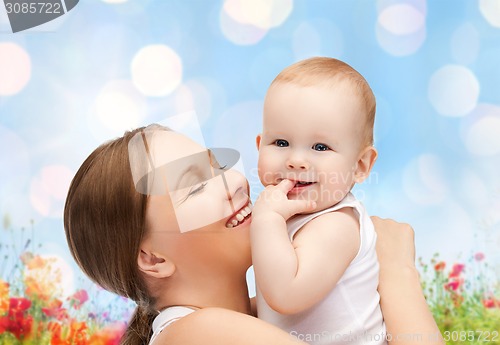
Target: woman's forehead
{"points": [[168, 146]]}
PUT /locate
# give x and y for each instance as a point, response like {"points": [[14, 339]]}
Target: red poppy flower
{"points": [[16, 322], [54, 309], [491, 303], [78, 298], [109, 335], [453, 284], [456, 270], [439, 267]]}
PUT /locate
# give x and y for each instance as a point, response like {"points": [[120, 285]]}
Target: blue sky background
{"points": [[108, 66]]}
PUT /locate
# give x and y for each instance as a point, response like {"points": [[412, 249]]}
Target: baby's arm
{"points": [[294, 276]]}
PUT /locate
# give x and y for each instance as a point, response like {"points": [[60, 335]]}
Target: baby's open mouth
{"points": [[300, 186], [302, 183], [240, 216]]}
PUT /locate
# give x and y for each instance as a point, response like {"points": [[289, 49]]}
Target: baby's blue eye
{"points": [[281, 143], [320, 147]]}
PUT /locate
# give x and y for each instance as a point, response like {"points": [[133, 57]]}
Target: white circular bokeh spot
{"points": [[423, 180], [401, 19], [246, 22], [490, 9], [67, 275], [49, 188], [193, 95], [453, 90], [119, 106], [156, 70], [263, 14], [401, 29], [483, 137], [15, 68], [240, 34]]}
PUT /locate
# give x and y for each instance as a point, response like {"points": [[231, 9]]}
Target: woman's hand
{"points": [[395, 244], [406, 314]]}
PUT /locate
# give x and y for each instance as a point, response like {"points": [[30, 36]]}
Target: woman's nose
{"points": [[235, 183]]}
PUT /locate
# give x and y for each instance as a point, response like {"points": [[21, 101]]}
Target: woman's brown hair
{"points": [[105, 223]]}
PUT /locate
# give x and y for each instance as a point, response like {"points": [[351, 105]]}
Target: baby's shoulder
{"points": [[342, 218], [331, 225]]}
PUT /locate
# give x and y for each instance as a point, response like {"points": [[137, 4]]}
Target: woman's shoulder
{"points": [[222, 326]]}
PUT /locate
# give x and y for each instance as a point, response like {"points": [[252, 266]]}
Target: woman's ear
{"points": [[155, 265], [257, 140], [365, 163]]}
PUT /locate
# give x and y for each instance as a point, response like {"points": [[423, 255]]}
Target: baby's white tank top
{"points": [[350, 313]]}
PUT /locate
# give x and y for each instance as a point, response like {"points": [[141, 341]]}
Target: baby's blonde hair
{"points": [[329, 71]]}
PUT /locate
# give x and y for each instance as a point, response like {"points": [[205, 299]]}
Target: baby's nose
{"points": [[297, 162]]}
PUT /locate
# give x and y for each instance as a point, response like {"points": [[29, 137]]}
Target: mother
{"points": [[131, 238]]}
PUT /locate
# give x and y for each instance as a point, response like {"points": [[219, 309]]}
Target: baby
{"points": [[313, 245]]}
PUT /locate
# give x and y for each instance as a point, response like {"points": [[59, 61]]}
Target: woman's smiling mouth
{"points": [[240, 216]]}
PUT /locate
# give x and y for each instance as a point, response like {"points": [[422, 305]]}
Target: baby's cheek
{"points": [[266, 172]]}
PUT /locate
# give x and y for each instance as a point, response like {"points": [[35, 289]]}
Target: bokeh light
{"points": [[401, 29], [490, 9], [156, 70], [263, 14], [195, 96], [238, 33], [15, 68], [49, 188], [483, 137], [67, 275], [424, 180], [119, 106], [401, 19], [453, 90], [465, 44]]}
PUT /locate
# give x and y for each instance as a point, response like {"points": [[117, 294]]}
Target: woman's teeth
{"points": [[239, 217]]}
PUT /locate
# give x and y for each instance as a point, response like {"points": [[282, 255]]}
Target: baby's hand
{"points": [[274, 199]]}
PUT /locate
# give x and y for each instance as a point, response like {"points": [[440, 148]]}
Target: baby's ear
{"points": [[257, 140], [366, 159], [154, 264]]}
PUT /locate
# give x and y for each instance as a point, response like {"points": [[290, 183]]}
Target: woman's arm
{"points": [[406, 314], [219, 326]]}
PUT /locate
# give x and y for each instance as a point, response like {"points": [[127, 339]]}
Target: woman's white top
{"points": [[166, 317]]}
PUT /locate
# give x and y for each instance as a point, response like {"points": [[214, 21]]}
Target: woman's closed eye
{"points": [[321, 147], [281, 143], [194, 190], [197, 189]]}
